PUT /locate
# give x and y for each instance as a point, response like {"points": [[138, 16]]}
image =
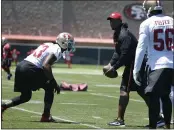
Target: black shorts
{"points": [[6, 63], [128, 84], [28, 77], [159, 81]]}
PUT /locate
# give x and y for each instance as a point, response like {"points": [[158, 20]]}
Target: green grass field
{"points": [[78, 110]]}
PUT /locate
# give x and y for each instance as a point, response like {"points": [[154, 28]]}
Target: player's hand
{"points": [[57, 89], [137, 78], [54, 85], [109, 70]]}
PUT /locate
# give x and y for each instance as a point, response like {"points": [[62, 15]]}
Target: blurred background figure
{"points": [[30, 51], [15, 54], [3, 42], [6, 60], [68, 58]]}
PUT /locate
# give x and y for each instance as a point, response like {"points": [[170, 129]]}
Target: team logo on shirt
{"points": [[135, 12]]}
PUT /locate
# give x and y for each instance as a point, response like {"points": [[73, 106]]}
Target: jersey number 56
{"points": [[168, 41]]}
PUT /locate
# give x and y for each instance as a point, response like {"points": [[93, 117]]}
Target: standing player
{"points": [[35, 72], [68, 58], [15, 54], [6, 60], [124, 55], [156, 36]]}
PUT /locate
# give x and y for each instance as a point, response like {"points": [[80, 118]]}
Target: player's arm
{"points": [[114, 58], [140, 53], [141, 48], [125, 47], [48, 62]]}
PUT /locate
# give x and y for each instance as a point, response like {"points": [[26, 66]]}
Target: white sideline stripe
{"points": [[38, 113], [97, 117], [103, 95]]}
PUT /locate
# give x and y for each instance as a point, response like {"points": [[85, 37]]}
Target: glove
{"points": [[55, 86], [137, 78], [57, 89]]}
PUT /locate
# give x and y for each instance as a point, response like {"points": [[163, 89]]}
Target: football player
{"points": [[156, 36], [35, 72], [15, 54], [6, 58], [124, 55]]}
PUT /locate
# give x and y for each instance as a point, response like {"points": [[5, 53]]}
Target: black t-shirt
{"points": [[125, 48]]}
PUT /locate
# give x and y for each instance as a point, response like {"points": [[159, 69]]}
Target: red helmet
{"points": [[115, 15]]}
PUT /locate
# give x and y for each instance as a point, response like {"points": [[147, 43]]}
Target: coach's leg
{"points": [[123, 102]]}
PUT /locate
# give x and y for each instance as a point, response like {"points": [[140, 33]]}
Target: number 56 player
{"points": [[156, 36], [35, 72]]}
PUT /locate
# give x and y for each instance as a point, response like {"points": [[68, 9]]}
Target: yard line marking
{"points": [[108, 85], [146, 118], [6, 87], [31, 101], [97, 117], [38, 113], [79, 104], [68, 103], [80, 73], [103, 95]]}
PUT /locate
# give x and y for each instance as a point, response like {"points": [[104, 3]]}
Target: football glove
{"points": [[55, 86]]}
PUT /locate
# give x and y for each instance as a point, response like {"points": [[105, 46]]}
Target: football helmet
{"points": [[151, 5], [66, 41], [3, 40]]}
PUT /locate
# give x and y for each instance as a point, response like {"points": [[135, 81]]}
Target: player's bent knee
{"points": [[25, 97], [123, 93]]}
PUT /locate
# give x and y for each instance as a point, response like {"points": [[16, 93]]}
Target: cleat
{"points": [[159, 124], [117, 122], [47, 118], [9, 76]]}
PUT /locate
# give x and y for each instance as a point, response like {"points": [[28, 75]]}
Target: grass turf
{"points": [[91, 109]]}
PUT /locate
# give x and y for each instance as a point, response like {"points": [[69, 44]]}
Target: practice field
{"points": [[91, 109]]}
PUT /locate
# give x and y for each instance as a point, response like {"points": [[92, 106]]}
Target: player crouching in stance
{"points": [[35, 72]]}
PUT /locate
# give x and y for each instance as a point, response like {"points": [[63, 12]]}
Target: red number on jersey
{"points": [[168, 41], [38, 52]]}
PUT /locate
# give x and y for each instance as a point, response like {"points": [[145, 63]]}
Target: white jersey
{"points": [[39, 55], [156, 35], [66, 55]]}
